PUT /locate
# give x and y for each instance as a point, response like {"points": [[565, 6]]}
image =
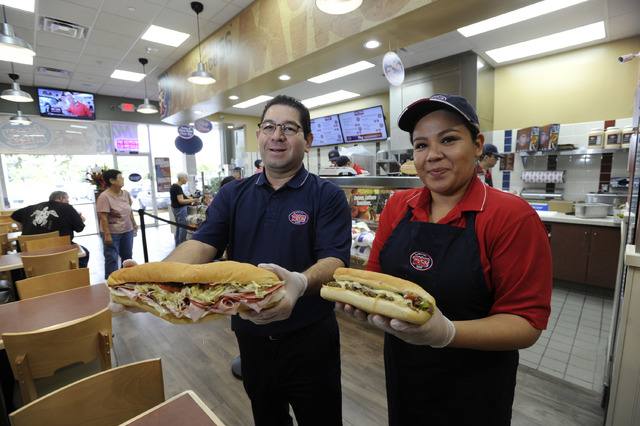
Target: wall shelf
{"points": [[579, 151]]}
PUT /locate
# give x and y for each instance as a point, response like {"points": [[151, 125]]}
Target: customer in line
{"points": [[483, 254], [179, 206], [53, 215], [486, 162], [297, 225], [117, 225]]}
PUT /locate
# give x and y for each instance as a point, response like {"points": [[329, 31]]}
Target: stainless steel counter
{"points": [[557, 217]]}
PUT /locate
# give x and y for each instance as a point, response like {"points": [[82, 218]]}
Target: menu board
{"points": [[363, 125], [326, 131]]}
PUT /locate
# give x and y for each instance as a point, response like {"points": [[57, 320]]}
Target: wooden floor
{"points": [[198, 357]]}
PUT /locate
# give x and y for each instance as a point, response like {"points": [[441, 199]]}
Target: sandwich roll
{"points": [[182, 293], [378, 293]]}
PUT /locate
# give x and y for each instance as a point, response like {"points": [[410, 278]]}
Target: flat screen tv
{"points": [[363, 125], [326, 131], [66, 104]]}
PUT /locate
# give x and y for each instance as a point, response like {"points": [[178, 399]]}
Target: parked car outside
{"points": [[145, 200]]}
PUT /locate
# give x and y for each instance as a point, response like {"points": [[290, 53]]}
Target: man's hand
{"points": [[295, 285], [438, 332], [117, 308]]}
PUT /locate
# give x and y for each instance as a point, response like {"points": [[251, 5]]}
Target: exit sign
{"points": [[127, 107]]}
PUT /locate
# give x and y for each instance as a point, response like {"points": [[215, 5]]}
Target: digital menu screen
{"points": [[363, 125], [326, 131]]}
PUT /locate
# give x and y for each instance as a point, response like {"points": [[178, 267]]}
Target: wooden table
{"points": [[185, 408], [53, 309], [42, 312], [12, 261]]}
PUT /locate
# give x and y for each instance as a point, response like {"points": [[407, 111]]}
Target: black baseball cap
{"points": [[489, 148], [414, 112], [333, 155]]}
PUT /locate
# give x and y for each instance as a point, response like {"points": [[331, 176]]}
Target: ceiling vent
{"points": [[68, 29], [54, 72]]}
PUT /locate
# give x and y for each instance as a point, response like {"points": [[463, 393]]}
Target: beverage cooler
{"points": [[622, 376]]}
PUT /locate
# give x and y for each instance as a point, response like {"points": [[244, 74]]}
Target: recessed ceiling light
{"points": [[254, 101], [341, 72], [284, 77], [329, 98], [229, 126], [198, 112], [26, 5], [549, 43], [233, 97], [192, 124], [372, 44], [165, 36], [515, 16], [127, 75]]}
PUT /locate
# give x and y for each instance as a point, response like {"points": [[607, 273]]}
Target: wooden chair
{"points": [[47, 263], [5, 228], [22, 238], [6, 212], [39, 354], [53, 283], [104, 399], [45, 243]]}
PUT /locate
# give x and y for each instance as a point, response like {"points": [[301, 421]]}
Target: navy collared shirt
{"points": [[305, 220]]}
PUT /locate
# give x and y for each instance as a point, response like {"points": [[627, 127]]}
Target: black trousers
{"points": [[301, 369]]}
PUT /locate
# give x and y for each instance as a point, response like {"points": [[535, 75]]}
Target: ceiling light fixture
{"points": [[200, 76], [372, 44], [146, 107], [341, 72], [515, 16], [164, 36], [284, 77], [329, 98], [255, 101], [19, 119], [10, 45], [15, 94], [549, 43], [338, 7]]}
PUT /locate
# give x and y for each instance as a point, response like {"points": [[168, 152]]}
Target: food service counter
{"points": [[399, 182]]}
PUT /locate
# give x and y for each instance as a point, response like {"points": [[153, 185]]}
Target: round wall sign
{"points": [[393, 68], [192, 145], [135, 177], [185, 132], [203, 125]]}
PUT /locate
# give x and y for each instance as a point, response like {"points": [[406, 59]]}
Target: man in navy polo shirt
{"points": [[297, 225]]}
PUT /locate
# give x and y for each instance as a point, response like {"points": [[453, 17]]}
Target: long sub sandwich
{"points": [[185, 294], [382, 294]]}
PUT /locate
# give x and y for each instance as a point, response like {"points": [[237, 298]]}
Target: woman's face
{"points": [[118, 181], [444, 154]]}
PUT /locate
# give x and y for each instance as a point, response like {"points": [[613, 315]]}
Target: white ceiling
{"points": [[115, 27]]}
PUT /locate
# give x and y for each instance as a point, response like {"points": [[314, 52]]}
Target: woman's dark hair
{"points": [[305, 118], [110, 174]]}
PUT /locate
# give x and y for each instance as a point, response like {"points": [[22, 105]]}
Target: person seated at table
{"points": [[53, 215]]}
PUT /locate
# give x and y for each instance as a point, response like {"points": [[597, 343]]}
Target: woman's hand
{"points": [[438, 332]]}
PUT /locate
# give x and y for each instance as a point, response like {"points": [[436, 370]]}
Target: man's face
{"points": [[282, 154], [64, 200]]}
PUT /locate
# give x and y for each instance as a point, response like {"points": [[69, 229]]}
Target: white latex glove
{"points": [[438, 332], [295, 285]]}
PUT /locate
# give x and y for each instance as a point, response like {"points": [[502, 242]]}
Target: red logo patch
{"points": [[420, 261], [298, 217]]}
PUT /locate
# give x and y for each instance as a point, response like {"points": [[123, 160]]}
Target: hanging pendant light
{"points": [[19, 119], [200, 76], [15, 94], [338, 7], [10, 45], [146, 107]]}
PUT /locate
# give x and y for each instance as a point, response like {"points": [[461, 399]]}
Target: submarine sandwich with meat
{"points": [[378, 293], [183, 293]]}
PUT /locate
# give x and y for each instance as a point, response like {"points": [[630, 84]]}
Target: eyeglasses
{"points": [[288, 129]]}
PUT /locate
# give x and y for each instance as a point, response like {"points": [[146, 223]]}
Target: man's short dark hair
{"points": [[58, 195], [342, 161], [110, 174], [305, 118], [257, 163]]}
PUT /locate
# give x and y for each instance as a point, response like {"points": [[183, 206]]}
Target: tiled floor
{"points": [[574, 346]]}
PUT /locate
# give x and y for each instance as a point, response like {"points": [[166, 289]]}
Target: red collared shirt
{"points": [[513, 242]]}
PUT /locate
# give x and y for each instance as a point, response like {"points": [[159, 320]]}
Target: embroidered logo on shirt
{"points": [[421, 261], [298, 217]]}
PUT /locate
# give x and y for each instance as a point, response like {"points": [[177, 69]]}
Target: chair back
{"points": [[6, 212], [38, 354], [47, 263], [22, 238], [7, 227], [108, 398], [53, 283], [45, 243], [4, 243]]}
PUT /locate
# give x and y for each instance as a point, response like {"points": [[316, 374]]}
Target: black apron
{"points": [[448, 386]]}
